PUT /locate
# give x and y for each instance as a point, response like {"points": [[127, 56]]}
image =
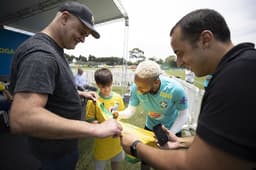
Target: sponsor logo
{"points": [[6, 51], [154, 115]]}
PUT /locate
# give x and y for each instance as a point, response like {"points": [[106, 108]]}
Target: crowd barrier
{"points": [[195, 96]]}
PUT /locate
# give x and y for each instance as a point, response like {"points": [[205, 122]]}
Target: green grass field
{"points": [[86, 145], [181, 73]]}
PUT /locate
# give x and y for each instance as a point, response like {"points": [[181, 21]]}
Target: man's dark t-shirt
{"points": [[39, 66], [227, 118]]}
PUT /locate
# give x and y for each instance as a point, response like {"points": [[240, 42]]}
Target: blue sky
{"points": [[150, 22]]}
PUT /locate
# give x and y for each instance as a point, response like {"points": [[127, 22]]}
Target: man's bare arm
{"points": [[29, 116], [200, 156]]}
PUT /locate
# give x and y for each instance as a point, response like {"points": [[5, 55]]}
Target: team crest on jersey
{"points": [[163, 104]]}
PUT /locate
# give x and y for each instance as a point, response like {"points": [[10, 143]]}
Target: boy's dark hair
{"points": [[103, 76], [196, 21]]}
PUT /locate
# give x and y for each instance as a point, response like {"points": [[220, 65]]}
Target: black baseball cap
{"points": [[83, 13]]}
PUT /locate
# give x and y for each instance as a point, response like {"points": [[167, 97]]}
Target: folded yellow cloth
{"points": [[145, 136]]}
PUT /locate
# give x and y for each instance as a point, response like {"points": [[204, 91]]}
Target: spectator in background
{"points": [[81, 81], [207, 80], [189, 76]]}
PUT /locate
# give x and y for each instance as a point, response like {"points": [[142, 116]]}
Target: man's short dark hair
{"points": [[197, 21], [103, 76]]}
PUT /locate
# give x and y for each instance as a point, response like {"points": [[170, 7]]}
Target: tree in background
{"points": [[110, 60], [82, 58], [136, 55], [69, 58], [91, 58], [158, 60], [171, 61]]}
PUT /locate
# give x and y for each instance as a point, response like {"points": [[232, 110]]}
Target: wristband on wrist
{"points": [[133, 149]]}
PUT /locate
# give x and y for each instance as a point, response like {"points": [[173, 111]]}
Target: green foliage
{"points": [[69, 58], [82, 58], [137, 54], [171, 60], [91, 58], [180, 73], [160, 61], [110, 60]]}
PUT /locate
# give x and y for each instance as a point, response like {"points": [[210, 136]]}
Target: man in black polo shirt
{"points": [[225, 137], [46, 105]]}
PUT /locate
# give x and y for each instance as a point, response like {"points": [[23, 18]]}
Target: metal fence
{"points": [[119, 77], [195, 96]]}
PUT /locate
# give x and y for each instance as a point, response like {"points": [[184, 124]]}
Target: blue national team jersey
{"points": [[162, 107]]}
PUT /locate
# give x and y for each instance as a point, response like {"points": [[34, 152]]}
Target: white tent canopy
{"points": [[31, 16], [34, 15]]}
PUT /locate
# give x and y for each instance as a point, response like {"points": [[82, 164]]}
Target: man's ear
{"points": [[206, 38], [157, 81], [64, 17]]}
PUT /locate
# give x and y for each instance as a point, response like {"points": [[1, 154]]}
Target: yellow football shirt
{"points": [[106, 148]]}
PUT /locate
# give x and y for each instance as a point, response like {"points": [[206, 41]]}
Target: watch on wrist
{"points": [[133, 149]]}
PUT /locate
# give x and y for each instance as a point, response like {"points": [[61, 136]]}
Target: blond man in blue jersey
{"points": [[162, 98]]}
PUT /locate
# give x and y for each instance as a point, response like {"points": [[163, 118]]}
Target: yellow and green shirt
{"points": [[104, 148]]}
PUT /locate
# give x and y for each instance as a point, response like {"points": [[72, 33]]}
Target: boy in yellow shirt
{"points": [[107, 148]]}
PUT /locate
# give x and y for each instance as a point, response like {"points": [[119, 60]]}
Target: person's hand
{"points": [[95, 122], [126, 141], [172, 143], [89, 95], [110, 127], [115, 114]]}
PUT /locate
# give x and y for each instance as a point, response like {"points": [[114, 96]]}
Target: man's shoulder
{"points": [[166, 78], [170, 82], [35, 46], [38, 42]]}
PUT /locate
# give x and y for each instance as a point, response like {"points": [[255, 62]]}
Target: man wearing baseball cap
{"points": [[83, 13], [46, 104]]}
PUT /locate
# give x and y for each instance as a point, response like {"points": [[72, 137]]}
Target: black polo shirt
{"points": [[227, 118]]}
